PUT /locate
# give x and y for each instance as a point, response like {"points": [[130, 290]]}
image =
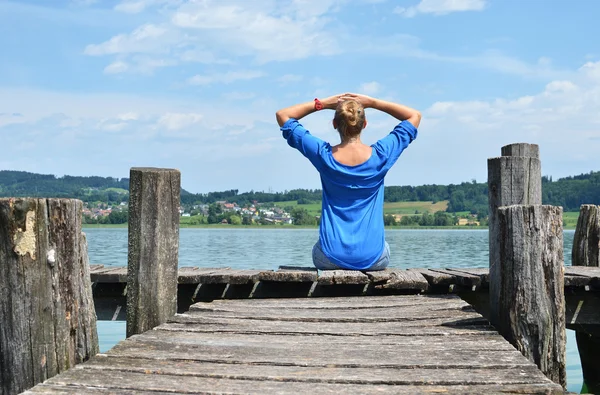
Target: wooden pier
{"points": [[109, 284], [299, 330], [407, 344]]}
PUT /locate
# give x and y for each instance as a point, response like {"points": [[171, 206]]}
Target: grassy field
{"points": [[570, 219], [388, 208]]}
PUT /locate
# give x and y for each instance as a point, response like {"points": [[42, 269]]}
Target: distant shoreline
{"points": [[276, 227]]}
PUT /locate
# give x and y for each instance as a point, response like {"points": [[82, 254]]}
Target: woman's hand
{"points": [[364, 100], [331, 102]]}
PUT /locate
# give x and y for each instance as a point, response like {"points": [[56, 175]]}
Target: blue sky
{"points": [[94, 87]]}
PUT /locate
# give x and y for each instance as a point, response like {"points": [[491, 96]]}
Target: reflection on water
{"points": [[270, 248]]}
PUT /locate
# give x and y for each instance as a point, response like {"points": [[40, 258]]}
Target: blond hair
{"points": [[349, 118]]}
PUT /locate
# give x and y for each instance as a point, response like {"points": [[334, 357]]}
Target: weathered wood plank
{"points": [[482, 273], [172, 345], [341, 375], [244, 276], [110, 275], [398, 279], [357, 302], [117, 380], [334, 277], [382, 314], [195, 275], [153, 247], [464, 325], [490, 342], [290, 274], [461, 278], [95, 267], [436, 278]]}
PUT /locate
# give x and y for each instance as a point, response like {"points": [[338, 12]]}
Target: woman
{"points": [[351, 233]]}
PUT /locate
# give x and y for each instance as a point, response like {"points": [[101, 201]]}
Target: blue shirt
{"points": [[351, 230]]}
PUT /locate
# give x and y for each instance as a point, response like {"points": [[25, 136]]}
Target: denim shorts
{"points": [[321, 262]]}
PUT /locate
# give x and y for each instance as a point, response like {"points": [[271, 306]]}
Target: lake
{"points": [[269, 248]]}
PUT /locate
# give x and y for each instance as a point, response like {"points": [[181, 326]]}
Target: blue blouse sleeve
{"points": [[301, 139], [394, 143]]}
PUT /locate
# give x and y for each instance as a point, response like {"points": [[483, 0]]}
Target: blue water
{"points": [[270, 248]]}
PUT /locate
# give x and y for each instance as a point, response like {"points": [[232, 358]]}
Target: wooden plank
{"points": [[356, 302], [436, 278], [334, 277], [490, 342], [481, 272], [117, 380], [342, 375], [188, 346], [244, 276], [462, 278], [218, 276], [398, 279], [194, 275], [445, 326], [110, 275], [95, 267], [333, 314], [290, 274], [581, 276]]}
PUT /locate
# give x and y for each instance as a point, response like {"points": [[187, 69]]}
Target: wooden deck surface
{"points": [[407, 344]]}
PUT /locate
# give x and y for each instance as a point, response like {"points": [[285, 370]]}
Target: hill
{"points": [[569, 192]]}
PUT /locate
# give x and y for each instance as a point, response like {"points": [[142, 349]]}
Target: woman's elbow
{"points": [[415, 119], [281, 117]]}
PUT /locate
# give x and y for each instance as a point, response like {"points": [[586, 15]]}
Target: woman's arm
{"points": [[398, 111], [301, 110]]}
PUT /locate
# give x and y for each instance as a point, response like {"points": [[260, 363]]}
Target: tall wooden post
{"points": [[526, 260], [530, 303], [513, 178], [154, 197], [47, 315], [586, 252]]}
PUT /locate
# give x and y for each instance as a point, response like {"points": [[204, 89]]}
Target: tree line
{"points": [[568, 192]]}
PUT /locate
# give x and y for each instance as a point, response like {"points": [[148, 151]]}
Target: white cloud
{"points": [[441, 7], [213, 31], [225, 78], [131, 7], [562, 118], [147, 38], [128, 116], [177, 121], [116, 67], [370, 88]]}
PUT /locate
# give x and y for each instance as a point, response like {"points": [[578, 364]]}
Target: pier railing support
{"points": [[586, 252], [530, 301], [513, 178], [526, 260], [154, 197], [47, 316]]}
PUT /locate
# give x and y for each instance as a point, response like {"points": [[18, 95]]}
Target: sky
{"points": [[95, 87]]}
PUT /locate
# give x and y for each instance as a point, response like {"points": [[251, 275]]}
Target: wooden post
{"points": [[513, 178], [47, 316], [585, 252], [530, 300], [154, 196]]}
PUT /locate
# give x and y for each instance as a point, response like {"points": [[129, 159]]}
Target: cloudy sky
{"points": [[95, 87]]}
